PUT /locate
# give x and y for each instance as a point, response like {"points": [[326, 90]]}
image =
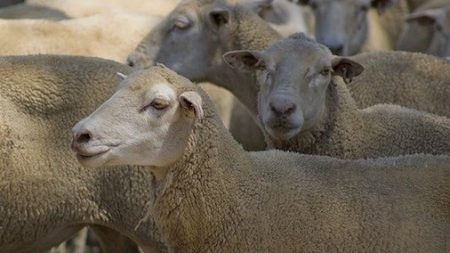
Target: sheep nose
{"points": [[282, 106], [130, 63], [81, 137], [336, 49]]}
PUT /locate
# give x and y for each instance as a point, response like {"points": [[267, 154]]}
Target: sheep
{"points": [[348, 27], [84, 8], [305, 106], [212, 196], [411, 80], [21, 11], [427, 30], [45, 196], [228, 27]]}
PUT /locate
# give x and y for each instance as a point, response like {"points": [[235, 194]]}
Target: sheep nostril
{"points": [[131, 63], [84, 137]]}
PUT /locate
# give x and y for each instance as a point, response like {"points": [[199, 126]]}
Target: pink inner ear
{"points": [[192, 100]]}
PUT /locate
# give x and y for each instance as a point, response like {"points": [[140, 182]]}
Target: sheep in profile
{"points": [[45, 196], [348, 26], [305, 106], [212, 196], [427, 29]]}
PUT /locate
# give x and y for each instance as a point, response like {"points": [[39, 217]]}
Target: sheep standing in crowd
{"points": [[304, 106], [409, 87], [427, 29], [212, 196], [45, 196]]}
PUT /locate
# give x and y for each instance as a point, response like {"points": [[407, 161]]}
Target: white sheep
{"points": [[212, 196], [305, 106], [45, 196]]}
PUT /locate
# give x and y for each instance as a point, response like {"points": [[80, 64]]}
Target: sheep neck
{"points": [[328, 136], [249, 33], [197, 201]]}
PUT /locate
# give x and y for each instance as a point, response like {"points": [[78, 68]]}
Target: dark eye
{"points": [[159, 104], [325, 71]]}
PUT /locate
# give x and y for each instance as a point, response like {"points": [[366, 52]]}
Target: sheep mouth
{"points": [[85, 156], [282, 131]]}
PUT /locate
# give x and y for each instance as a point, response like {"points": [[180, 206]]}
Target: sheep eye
{"points": [[181, 23], [325, 72], [159, 104]]}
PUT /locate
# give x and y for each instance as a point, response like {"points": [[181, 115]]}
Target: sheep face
{"points": [[433, 28], [293, 75], [342, 25], [191, 25], [146, 122]]}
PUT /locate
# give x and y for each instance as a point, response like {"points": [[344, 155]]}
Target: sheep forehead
{"points": [[162, 90], [300, 49]]}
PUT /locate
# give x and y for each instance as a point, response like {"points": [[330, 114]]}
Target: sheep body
{"points": [[45, 196], [408, 79], [215, 197]]}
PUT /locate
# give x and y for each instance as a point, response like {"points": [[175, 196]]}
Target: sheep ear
{"points": [[346, 68], [192, 101], [219, 17], [425, 18], [245, 60], [383, 5]]}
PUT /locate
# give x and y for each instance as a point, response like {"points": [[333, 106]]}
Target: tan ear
{"points": [[426, 17], [346, 68], [192, 101], [383, 5], [245, 60]]}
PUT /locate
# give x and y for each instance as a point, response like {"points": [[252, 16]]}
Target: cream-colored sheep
{"points": [[412, 80], [212, 196], [83, 8], [304, 106], [21, 11], [45, 196]]}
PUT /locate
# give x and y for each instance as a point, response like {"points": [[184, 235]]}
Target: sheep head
{"points": [[146, 122], [293, 77]]}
